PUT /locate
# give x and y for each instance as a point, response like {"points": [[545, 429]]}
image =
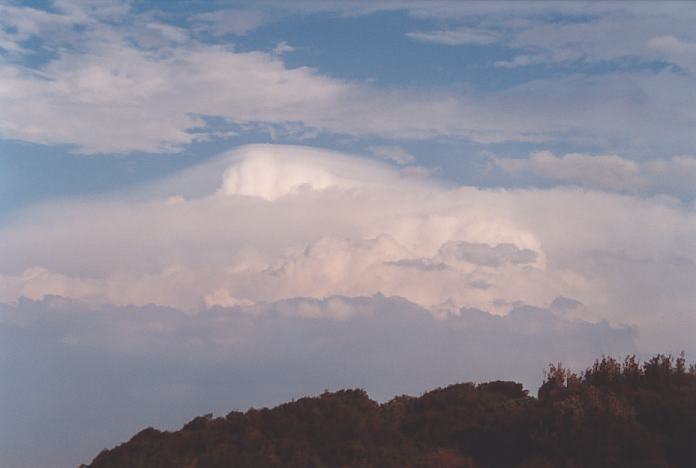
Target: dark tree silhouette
{"points": [[614, 414]]}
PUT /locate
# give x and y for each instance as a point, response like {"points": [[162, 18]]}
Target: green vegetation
{"points": [[615, 414]]}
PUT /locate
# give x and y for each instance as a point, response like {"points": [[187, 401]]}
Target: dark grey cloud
{"points": [[488, 255], [422, 264], [78, 378]]}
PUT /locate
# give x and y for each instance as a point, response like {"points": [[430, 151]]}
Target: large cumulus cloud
{"points": [[271, 222]]}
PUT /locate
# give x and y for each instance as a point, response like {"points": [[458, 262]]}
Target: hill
{"points": [[614, 414]]}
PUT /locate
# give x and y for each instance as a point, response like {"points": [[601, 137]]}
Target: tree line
{"points": [[613, 414]]}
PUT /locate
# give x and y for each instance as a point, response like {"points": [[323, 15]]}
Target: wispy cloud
{"points": [[393, 153], [459, 36], [609, 172], [230, 21], [283, 48], [677, 51], [519, 61]]}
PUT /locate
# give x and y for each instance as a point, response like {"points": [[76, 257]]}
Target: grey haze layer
{"points": [[81, 378]]}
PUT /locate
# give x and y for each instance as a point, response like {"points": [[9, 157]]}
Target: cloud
{"points": [[242, 332], [342, 221], [609, 172], [423, 264], [274, 178], [545, 32], [123, 82], [393, 153], [403, 158], [267, 264], [586, 33], [517, 61], [679, 52], [114, 97], [270, 222], [132, 99], [602, 171], [419, 171], [272, 172], [21, 23], [459, 36], [488, 255], [228, 21], [283, 48], [109, 371], [117, 98]]}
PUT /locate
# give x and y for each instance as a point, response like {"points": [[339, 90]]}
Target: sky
{"points": [[207, 206]]}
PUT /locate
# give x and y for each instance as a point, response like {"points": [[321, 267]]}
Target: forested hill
{"points": [[615, 414]]}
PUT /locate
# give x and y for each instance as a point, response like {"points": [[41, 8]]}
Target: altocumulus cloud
{"points": [[115, 80], [675, 175]]}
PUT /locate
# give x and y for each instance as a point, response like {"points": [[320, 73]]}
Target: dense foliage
{"points": [[612, 415]]}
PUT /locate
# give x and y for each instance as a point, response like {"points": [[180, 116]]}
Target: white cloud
{"points": [[517, 61], [590, 32], [56, 28], [118, 98], [679, 52], [602, 171], [102, 93], [609, 172], [267, 223], [223, 22], [271, 178], [283, 48], [272, 172], [459, 36], [17, 24], [393, 153], [419, 171]]}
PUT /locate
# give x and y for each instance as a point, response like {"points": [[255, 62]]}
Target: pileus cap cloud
{"points": [[271, 172], [270, 178]]}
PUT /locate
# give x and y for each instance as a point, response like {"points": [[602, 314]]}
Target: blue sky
{"points": [[171, 170]]}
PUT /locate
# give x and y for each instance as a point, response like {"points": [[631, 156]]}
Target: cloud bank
{"points": [[115, 370]]}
